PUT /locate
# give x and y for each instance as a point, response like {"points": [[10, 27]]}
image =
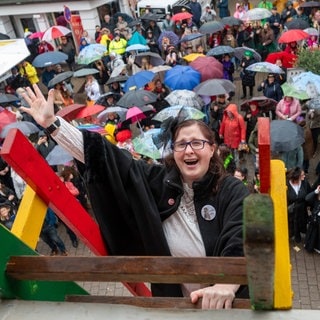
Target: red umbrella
{"points": [[209, 67], [70, 112], [181, 16], [292, 36], [89, 111], [55, 32], [287, 59], [6, 117]]}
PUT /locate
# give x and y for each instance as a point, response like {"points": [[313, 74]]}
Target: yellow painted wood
{"points": [[282, 275], [29, 219]]}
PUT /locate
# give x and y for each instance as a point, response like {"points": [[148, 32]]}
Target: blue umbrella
{"points": [[137, 47], [138, 80], [182, 77], [49, 58], [174, 39], [220, 50], [190, 37]]}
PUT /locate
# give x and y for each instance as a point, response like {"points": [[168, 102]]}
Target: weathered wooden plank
{"points": [[131, 269], [152, 302], [259, 249]]}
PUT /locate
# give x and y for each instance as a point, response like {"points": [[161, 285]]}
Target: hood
{"points": [[232, 108]]}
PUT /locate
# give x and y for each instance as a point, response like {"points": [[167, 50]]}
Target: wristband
{"points": [[53, 127]]}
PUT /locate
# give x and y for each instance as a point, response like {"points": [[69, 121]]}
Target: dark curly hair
{"points": [[216, 165]]}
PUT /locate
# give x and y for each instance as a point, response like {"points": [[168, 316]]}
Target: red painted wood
{"points": [[19, 153], [264, 154]]}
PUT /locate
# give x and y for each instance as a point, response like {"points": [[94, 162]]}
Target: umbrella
{"points": [[180, 8], [55, 32], [60, 77], [285, 135], [310, 4], [239, 53], [220, 50], [103, 116], [93, 128], [215, 87], [12, 52], [265, 67], [173, 38], [292, 35], [312, 31], [150, 17], [182, 77], [133, 23], [58, 156], [6, 117], [8, 98], [191, 36], [264, 104], [256, 14], [307, 81], [231, 21], [134, 114], [138, 80], [85, 72], [89, 111], [125, 17], [181, 16], [209, 67], [25, 127], [160, 71], [297, 24], [137, 98], [69, 112], [119, 70], [313, 103], [211, 27], [102, 100], [185, 98], [4, 36], [290, 91], [154, 58], [144, 145], [91, 53], [49, 58], [174, 111], [192, 56], [36, 35], [137, 47], [117, 79], [287, 59]]}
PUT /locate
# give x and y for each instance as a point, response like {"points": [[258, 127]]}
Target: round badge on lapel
{"points": [[171, 202], [208, 212]]}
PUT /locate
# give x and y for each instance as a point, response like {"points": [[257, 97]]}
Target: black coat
{"points": [[131, 198], [247, 77]]}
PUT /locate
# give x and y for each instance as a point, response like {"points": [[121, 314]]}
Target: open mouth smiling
{"points": [[191, 162]]}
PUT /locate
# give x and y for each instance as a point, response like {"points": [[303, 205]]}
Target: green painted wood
{"points": [[259, 249], [26, 289]]}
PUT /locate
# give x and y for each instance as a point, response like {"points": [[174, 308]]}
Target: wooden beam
{"points": [[152, 302], [130, 269]]}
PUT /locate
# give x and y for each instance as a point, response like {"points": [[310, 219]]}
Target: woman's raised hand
{"points": [[41, 109]]}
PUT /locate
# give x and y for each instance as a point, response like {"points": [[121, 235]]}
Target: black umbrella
{"points": [[4, 36], [231, 21], [239, 53], [211, 27], [297, 24], [133, 23], [285, 135], [125, 17], [150, 17], [60, 78], [190, 37], [102, 100], [8, 98], [117, 79], [220, 50], [180, 8], [264, 104], [154, 58], [310, 4], [137, 98]]}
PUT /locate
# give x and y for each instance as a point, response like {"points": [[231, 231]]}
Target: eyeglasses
{"points": [[194, 144]]}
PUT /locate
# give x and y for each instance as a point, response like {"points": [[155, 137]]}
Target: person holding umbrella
{"points": [[155, 206], [247, 77]]}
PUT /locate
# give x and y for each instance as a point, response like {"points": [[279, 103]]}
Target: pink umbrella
{"points": [[55, 32], [36, 35], [6, 117], [209, 67], [134, 114]]}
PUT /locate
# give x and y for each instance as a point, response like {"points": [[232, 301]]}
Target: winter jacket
{"points": [[131, 198], [295, 109], [271, 90]]}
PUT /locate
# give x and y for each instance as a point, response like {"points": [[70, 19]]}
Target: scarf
{"points": [[287, 108]]}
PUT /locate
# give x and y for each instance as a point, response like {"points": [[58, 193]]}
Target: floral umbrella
{"points": [[256, 14], [173, 38], [186, 98], [91, 53]]}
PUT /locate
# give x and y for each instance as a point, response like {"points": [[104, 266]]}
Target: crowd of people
{"points": [[193, 190]]}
